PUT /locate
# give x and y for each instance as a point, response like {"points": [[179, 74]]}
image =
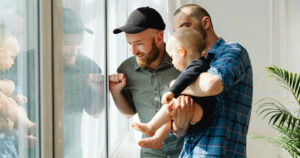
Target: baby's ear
{"points": [[182, 51]]}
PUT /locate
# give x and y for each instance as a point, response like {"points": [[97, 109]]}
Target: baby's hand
{"points": [[167, 97], [20, 99]]}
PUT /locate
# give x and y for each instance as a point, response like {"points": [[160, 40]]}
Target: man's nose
{"points": [[134, 50]]}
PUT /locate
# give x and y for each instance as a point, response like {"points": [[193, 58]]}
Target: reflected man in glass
{"points": [[82, 90]]}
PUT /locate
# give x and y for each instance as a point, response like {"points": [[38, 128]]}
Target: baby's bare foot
{"points": [[152, 142], [143, 127], [32, 141]]}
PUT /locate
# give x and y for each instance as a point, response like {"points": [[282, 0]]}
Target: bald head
{"points": [[194, 11]]}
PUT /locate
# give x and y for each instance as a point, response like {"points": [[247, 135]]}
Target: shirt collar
{"points": [[219, 42], [165, 61]]}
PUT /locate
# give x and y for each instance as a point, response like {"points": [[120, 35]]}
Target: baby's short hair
{"points": [[190, 39], [10, 42]]}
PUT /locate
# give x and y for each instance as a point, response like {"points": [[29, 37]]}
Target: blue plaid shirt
{"points": [[226, 136]]}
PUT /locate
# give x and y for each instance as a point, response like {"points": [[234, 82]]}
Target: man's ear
{"points": [[160, 37], [182, 51], [205, 22]]}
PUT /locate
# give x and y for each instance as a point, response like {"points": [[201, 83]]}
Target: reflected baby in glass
{"points": [[12, 115], [184, 47], [11, 112]]}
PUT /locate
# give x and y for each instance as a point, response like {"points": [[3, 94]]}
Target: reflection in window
{"points": [[18, 79], [84, 126]]}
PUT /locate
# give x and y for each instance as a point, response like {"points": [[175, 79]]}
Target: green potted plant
{"points": [[287, 123]]}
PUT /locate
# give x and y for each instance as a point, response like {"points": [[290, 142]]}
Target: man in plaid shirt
{"points": [[230, 79]]}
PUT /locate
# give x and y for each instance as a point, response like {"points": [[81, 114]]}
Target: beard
{"points": [[149, 57], [69, 61], [70, 57]]}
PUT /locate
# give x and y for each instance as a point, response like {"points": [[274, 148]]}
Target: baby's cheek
{"points": [[3, 60], [5, 64]]}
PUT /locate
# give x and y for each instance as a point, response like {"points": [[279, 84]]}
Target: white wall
{"points": [[293, 35], [269, 30]]}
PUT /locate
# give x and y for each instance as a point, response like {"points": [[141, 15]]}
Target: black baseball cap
{"points": [[72, 22], [142, 19]]}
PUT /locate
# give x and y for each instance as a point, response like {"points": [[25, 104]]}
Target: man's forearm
{"points": [[206, 85], [122, 104], [97, 105]]}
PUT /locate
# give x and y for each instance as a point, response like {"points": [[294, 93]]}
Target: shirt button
{"points": [[153, 73], [192, 138], [155, 92], [157, 109]]}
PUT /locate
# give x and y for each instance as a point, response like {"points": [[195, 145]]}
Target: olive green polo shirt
{"points": [[144, 89]]}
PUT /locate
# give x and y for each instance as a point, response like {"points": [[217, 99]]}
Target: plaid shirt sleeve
{"points": [[226, 135], [229, 67]]}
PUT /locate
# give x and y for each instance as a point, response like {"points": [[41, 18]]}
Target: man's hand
{"points": [[167, 97], [96, 82], [182, 112], [116, 82]]}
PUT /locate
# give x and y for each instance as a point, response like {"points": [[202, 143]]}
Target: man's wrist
{"points": [[179, 132], [116, 92]]}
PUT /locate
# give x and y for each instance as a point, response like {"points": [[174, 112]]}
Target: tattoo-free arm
{"points": [[206, 85]]}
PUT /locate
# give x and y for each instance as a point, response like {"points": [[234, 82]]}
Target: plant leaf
{"points": [[287, 79]]}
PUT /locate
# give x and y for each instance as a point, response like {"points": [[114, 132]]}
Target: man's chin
{"points": [[141, 63], [69, 62]]}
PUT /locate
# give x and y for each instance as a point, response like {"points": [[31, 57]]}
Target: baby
{"points": [[11, 114], [185, 48]]}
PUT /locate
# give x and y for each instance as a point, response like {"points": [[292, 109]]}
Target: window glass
{"points": [[19, 79], [122, 142], [84, 79]]}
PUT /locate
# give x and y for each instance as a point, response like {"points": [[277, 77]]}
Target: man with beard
{"points": [[230, 79], [143, 78]]}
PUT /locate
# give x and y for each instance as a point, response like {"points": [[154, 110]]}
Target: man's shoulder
{"points": [[230, 49], [87, 64], [128, 64], [82, 58]]}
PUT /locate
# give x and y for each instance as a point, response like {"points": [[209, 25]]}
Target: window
{"points": [[83, 55], [19, 79]]}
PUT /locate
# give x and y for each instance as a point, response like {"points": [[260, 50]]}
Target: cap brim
{"points": [[129, 29]]}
